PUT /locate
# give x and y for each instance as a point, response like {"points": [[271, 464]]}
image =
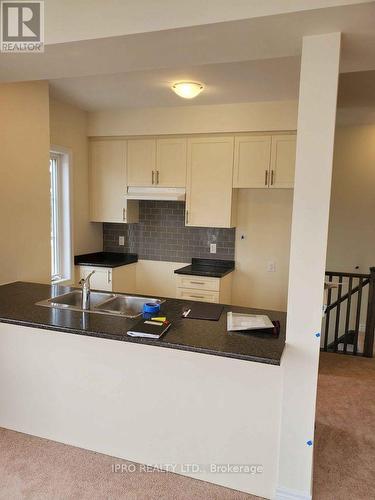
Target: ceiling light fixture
{"points": [[187, 90]]}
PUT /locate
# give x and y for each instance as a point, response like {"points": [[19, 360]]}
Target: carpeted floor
{"points": [[37, 469], [344, 464]]}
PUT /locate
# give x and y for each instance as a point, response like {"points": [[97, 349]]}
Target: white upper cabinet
{"points": [[171, 161], [157, 162], [264, 161], [283, 159], [209, 182], [107, 180], [141, 162], [252, 161], [107, 173]]}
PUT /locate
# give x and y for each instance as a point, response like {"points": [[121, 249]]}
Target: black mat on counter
{"points": [[201, 310]]}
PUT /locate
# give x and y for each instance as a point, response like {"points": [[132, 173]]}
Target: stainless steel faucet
{"points": [[85, 284]]}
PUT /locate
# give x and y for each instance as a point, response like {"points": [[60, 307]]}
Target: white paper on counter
{"points": [[239, 321]]}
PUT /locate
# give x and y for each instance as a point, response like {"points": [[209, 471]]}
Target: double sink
{"points": [[127, 306]]}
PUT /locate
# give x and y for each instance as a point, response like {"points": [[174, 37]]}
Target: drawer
{"points": [[198, 283], [201, 295]]}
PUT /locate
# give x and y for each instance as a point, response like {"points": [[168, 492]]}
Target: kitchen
{"points": [[162, 250], [159, 226]]}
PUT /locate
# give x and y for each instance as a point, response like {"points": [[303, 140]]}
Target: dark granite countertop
{"points": [[105, 259], [18, 306], [213, 268]]}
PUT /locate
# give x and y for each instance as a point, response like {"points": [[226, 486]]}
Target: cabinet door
{"points": [[252, 161], [100, 280], [283, 159], [171, 162], [141, 164], [209, 182], [107, 180]]}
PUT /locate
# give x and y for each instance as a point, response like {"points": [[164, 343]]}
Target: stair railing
{"points": [[357, 283]]}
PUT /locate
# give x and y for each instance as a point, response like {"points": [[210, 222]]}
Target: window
{"points": [[61, 248]]}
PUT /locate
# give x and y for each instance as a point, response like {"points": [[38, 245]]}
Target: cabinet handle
{"points": [[124, 214], [157, 177], [197, 282], [187, 217], [109, 276], [153, 177], [266, 178], [272, 177], [197, 296]]}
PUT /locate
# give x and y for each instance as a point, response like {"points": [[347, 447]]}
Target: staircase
{"points": [[349, 322]]}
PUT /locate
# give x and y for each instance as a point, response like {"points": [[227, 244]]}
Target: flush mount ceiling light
{"points": [[187, 90]]}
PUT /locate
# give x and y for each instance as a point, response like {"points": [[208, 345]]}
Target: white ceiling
{"points": [[267, 37], [265, 80], [74, 20], [253, 59]]}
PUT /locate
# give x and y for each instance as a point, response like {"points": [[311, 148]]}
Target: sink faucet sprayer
{"points": [[85, 284]]}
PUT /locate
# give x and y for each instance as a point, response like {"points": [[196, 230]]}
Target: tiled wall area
{"points": [[161, 235]]}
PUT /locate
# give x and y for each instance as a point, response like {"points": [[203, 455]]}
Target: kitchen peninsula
{"points": [[77, 378]]}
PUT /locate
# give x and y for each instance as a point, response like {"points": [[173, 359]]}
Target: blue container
{"points": [[151, 308]]}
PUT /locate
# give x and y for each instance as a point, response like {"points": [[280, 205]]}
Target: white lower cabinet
{"points": [[204, 289], [117, 279]]}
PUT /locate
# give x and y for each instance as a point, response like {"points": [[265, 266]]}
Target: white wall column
{"points": [[315, 141]]}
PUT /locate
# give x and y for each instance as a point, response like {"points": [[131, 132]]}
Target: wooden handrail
{"points": [[346, 296], [347, 275]]}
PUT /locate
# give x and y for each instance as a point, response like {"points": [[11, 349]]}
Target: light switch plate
{"points": [[271, 266], [213, 248], [121, 240]]}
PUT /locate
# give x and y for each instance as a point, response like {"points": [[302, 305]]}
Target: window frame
{"points": [[63, 214]]}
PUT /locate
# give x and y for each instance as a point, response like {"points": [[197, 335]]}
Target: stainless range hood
{"points": [[155, 193]]}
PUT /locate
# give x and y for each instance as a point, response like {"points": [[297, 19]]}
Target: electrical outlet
{"points": [[121, 240], [213, 248], [271, 266]]}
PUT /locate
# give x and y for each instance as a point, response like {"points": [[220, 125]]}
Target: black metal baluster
{"points": [[337, 324], [358, 316], [326, 332], [347, 322], [368, 350]]}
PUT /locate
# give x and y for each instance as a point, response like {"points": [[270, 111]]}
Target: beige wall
{"points": [[240, 117], [69, 130], [351, 240], [157, 278], [264, 219], [24, 185]]}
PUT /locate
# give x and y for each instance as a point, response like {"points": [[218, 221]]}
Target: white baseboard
{"points": [[288, 494]]}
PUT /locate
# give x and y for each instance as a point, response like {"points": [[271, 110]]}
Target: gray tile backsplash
{"points": [[161, 235]]}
